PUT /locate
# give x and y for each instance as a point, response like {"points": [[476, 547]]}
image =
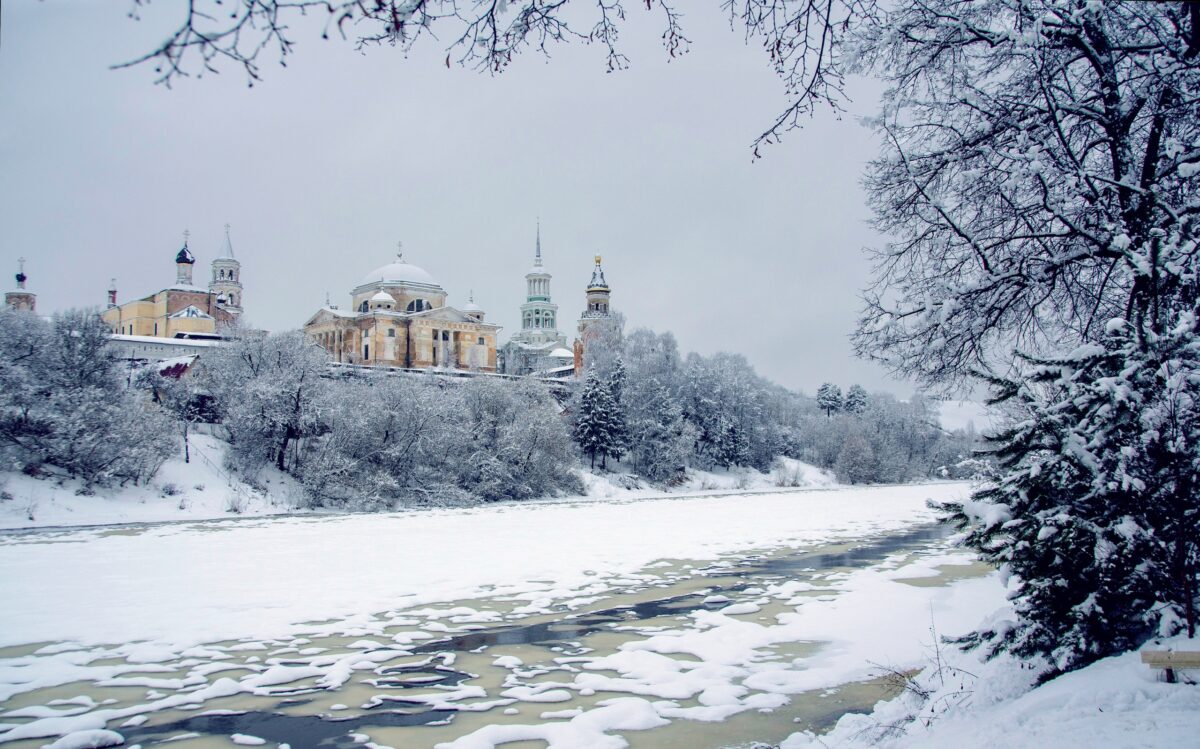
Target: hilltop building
{"points": [[399, 318], [538, 347], [182, 310], [22, 298]]}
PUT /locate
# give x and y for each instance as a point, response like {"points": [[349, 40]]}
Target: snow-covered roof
{"points": [[192, 311], [176, 361], [198, 343], [399, 272], [561, 353], [383, 296], [184, 287], [472, 307]]}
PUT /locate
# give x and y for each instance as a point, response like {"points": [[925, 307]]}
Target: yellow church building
{"points": [[183, 310], [399, 318]]}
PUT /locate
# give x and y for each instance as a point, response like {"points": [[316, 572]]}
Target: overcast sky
{"points": [[322, 167]]}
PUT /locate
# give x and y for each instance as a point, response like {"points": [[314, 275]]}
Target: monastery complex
{"points": [[398, 318]]}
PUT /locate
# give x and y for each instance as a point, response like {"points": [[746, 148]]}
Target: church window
{"points": [[391, 332], [366, 351], [445, 335], [363, 307], [481, 343], [155, 328]]}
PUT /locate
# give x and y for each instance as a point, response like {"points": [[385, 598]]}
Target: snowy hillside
{"points": [[204, 490], [200, 489]]}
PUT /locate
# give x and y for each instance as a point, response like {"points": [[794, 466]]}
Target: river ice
{"points": [[211, 616]]}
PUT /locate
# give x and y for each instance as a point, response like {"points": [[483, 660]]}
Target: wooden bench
{"points": [[1171, 661]]}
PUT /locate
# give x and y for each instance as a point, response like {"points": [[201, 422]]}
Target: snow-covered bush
{"points": [[63, 402], [388, 441]]}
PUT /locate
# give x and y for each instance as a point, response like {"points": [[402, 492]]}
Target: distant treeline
{"points": [[369, 441]]}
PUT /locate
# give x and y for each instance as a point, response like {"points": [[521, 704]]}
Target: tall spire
{"points": [[537, 257], [228, 244]]}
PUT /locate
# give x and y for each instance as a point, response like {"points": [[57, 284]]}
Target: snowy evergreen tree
{"points": [[1102, 544], [618, 422], [829, 398], [660, 438], [593, 419], [856, 400]]}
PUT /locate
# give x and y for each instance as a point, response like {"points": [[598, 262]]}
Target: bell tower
{"points": [[226, 282], [539, 315], [598, 294]]}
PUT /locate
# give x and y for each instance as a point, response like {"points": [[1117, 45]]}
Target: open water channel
{"points": [[438, 674]]}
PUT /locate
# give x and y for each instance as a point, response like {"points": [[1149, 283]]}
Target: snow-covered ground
{"points": [[202, 615], [1117, 702], [203, 489], [199, 489], [190, 584]]}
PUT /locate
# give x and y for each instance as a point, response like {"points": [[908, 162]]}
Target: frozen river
{"points": [[702, 622]]}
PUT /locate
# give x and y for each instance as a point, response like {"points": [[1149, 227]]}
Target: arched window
{"points": [[363, 307]]}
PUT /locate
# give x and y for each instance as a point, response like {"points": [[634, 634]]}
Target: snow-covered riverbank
{"points": [[203, 489]]}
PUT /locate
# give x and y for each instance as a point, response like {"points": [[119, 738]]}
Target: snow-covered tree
{"points": [[856, 400], [64, 402], [660, 440], [619, 421], [829, 398], [1039, 178], [604, 343], [594, 419], [1071, 508], [270, 393], [179, 394], [856, 460]]}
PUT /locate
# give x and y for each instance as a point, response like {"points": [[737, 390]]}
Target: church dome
{"points": [[399, 272], [383, 296]]}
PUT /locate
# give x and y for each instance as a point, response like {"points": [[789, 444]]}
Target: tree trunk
{"points": [[187, 453]]}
